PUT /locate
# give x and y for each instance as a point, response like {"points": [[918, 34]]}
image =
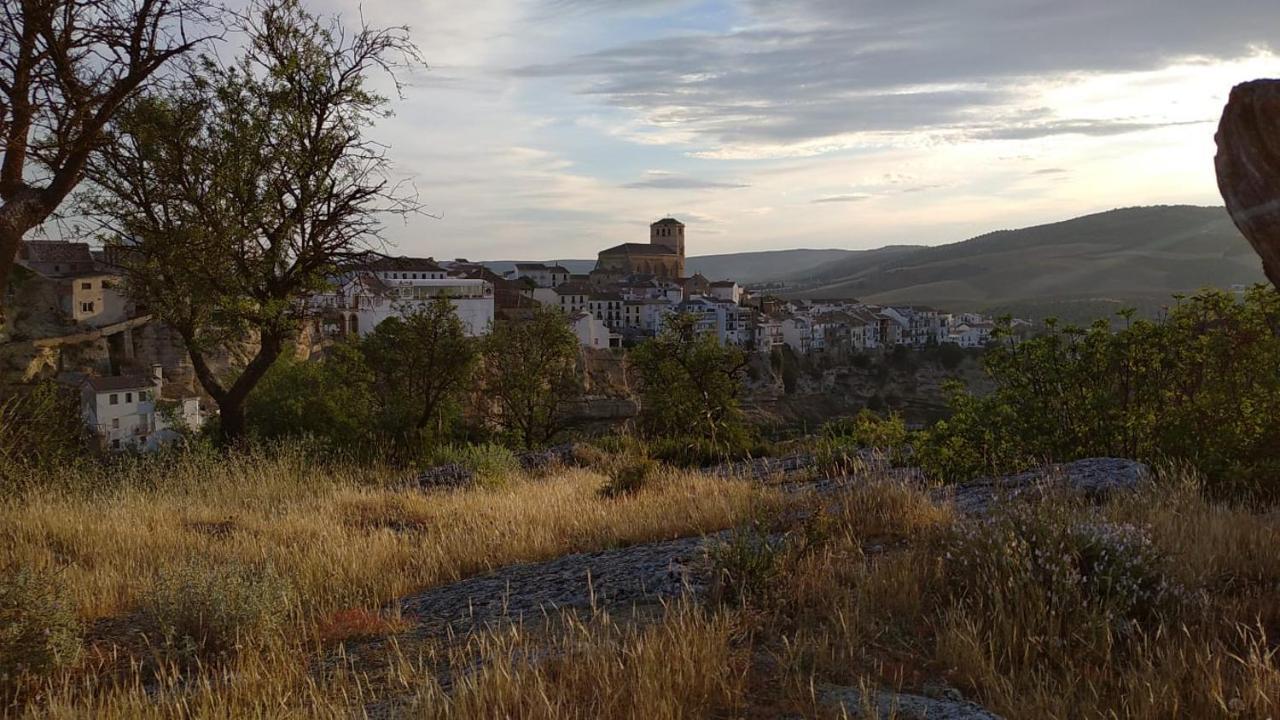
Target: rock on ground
{"points": [[607, 580], [1098, 478], [904, 706]]}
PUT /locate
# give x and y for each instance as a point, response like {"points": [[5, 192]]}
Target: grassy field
{"points": [[257, 587]]}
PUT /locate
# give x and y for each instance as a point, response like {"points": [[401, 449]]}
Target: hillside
{"points": [[744, 267], [1133, 256]]}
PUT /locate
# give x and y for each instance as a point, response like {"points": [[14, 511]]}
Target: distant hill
{"points": [[746, 267], [1084, 267]]}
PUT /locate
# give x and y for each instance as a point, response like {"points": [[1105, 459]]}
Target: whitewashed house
{"points": [[542, 275], [362, 299], [124, 412], [726, 290], [592, 332]]}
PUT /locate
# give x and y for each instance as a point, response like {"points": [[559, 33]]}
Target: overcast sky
{"points": [[553, 128]]}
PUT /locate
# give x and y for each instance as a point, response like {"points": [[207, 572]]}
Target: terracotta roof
{"points": [[723, 283], [638, 249], [571, 288], [121, 382], [56, 251], [409, 264]]}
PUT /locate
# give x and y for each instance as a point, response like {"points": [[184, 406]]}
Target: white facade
{"points": [[727, 290], [592, 332], [362, 301], [544, 276], [124, 412]]}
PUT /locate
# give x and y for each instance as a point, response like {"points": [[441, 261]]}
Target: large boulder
{"points": [[1248, 165], [1098, 478]]}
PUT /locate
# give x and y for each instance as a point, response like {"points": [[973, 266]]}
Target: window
{"points": [[115, 423], [115, 444], [114, 399], [128, 397], [86, 307], [86, 286], [142, 396]]}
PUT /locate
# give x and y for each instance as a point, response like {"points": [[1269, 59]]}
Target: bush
{"points": [[40, 428], [1201, 386], [747, 566], [208, 612], [39, 632], [841, 442], [629, 478], [491, 464], [1047, 586]]}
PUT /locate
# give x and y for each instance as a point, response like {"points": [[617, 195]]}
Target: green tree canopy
{"points": [[233, 193], [529, 377], [690, 384]]}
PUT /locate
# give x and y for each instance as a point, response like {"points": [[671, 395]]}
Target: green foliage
{"points": [[39, 632], [491, 464], [838, 450], [327, 399], [237, 190], [630, 477], [208, 612], [528, 377], [1201, 386], [690, 385], [40, 427], [421, 366]]}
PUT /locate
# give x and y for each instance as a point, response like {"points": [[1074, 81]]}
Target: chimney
{"points": [[157, 373]]}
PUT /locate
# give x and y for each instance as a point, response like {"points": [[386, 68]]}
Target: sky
{"points": [[550, 129]]}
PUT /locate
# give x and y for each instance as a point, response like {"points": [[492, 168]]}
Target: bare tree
{"points": [[235, 194], [66, 67]]}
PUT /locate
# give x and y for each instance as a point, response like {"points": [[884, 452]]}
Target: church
{"points": [[662, 256]]}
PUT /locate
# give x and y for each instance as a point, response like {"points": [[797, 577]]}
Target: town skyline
{"points": [[548, 129]]}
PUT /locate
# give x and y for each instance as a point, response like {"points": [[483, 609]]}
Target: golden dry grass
{"points": [[335, 536], [861, 598]]}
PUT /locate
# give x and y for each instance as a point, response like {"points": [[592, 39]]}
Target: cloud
{"points": [[658, 180], [856, 197], [1051, 171], [821, 75]]}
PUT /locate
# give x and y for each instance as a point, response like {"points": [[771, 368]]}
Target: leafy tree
{"points": [[690, 385], [235, 193], [529, 376], [66, 67], [329, 399], [1202, 386], [421, 365]]}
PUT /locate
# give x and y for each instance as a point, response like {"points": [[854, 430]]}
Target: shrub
{"points": [[39, 632], [747, 565], [629, 478], [1201, 386], [1046, 585], [40, 427], [209, 612], [491, 464], [838, 450]]}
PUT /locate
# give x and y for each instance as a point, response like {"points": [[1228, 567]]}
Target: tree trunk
{"points": [[1248, 165], [22, 211]]}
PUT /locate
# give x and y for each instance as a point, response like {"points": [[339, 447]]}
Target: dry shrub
{"points": [[208, 612], [630, 477], [39, 632]]}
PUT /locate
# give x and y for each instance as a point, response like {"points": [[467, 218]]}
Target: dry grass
{"points": [[860, 591], [337, 538]]}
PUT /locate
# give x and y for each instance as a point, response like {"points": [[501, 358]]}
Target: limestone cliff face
{"points": [[1248, 165]]}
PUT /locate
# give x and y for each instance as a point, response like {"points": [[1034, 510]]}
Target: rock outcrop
{"points": [[1248, 165], [888, 705]]}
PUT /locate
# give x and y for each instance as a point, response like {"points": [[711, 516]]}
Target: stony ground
{"points": [[623, 579]]}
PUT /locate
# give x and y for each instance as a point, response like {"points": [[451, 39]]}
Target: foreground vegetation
{"points": [[261, 586]]}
